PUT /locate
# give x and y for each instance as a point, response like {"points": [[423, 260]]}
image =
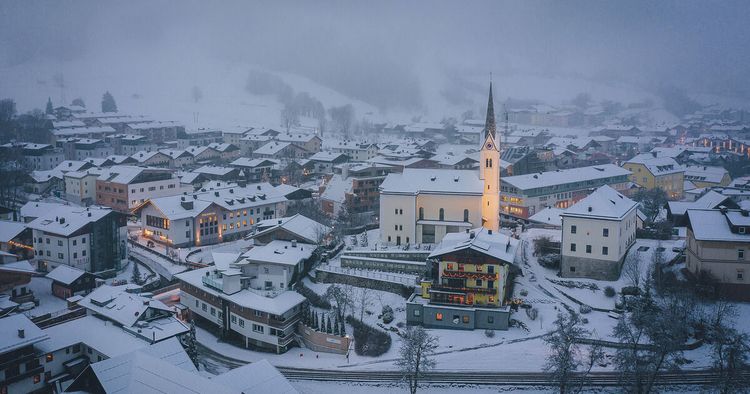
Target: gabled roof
{"points": [[10, 230], [9, 333], [657, 165], [307, 229], [497, 245], [605, 202], [65, 274], [257, 377], [65, 220], [116, 304], [712, 225], [709, 200], [140, 372], [252, 163]]}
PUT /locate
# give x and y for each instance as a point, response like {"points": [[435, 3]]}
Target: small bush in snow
{"points": [[585, 309], [489, 333], [532, 313], [524, 292], [609, 291], [550, 261]]}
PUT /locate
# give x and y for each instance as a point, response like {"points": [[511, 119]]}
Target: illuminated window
{"points": [[50, 357], [438, 316], [449, 266], [37, 378], [466, 319]]}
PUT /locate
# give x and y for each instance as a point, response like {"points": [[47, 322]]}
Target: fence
{"points": [[402, 279]]}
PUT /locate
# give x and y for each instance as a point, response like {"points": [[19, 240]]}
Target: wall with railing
{"points": [[322, 341]]}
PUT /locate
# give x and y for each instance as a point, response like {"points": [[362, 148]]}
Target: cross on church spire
{"points": [[489, 124]]}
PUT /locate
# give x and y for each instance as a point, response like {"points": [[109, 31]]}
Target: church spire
{"points": [[489, 124]]}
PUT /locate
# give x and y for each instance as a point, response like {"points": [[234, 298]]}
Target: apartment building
{"points": [[650, 171], [125, 187], [92, 239], [212, 215], [522, 196], [250, 296]]}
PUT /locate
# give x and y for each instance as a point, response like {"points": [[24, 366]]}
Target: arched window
{"points": [[442, 214], [490, 163], [466, 215], [421, 213]]}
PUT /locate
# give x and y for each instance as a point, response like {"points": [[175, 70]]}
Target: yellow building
{"points": [[650, 172], [707, 176], [471, 268]]}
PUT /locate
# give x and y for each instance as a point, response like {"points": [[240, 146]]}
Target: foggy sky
{"points": [[387, 52]]}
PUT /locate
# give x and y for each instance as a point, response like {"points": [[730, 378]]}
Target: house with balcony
{"points": [[22, 368], [216, 213], [470, 276], [651, 172], [250, 298]]}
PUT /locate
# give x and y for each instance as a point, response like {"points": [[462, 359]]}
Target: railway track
{"points": [[598, 379]]}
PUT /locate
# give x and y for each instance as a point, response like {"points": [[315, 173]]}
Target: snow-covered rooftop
{"points": [[65, 274], [11, 328], [65, 220], [560, 177], [605, 203], [279, 252], [435, 181], [300, 225], [10, 230], [712, 225], [496, 245], [277, 305]]}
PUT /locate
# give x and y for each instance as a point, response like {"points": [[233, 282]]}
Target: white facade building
{"points": [[596, 234]]}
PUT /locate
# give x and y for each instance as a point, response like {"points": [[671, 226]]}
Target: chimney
{"points": [[489, 231], [294, 243], [471, 235], [21, 333], [89, 214]]}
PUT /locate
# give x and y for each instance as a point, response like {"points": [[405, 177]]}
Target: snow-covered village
{"points": [[375, 197]]}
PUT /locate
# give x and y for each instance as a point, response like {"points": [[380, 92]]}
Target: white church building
{"points": [[422, 205]]}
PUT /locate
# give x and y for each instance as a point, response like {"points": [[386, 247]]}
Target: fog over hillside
{"points": [[392, 59]]}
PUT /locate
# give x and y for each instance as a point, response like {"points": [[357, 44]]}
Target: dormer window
{"points": [[742, 230]]}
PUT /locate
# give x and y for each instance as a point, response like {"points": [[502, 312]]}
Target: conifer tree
{"points": [[108, 103], [49, 108], [329, 328], [136, 278]]}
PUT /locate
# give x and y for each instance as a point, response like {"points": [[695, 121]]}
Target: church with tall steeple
{"points": [[423, 205], [489, 170]]}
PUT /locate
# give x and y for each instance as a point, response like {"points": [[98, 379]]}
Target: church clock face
{"points": [[489, 145]]}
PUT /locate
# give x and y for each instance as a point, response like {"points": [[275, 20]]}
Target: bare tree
{"points": [[415, 355], [364, 298], [342, 299], [729, 349], [632, 268], [565, 351], [653, 335]]}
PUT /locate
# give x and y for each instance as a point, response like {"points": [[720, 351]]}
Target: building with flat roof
{"points": [[522, 196]]}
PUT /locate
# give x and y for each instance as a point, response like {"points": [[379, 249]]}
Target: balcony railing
{"points": [[464, 289], [469, 275]]}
